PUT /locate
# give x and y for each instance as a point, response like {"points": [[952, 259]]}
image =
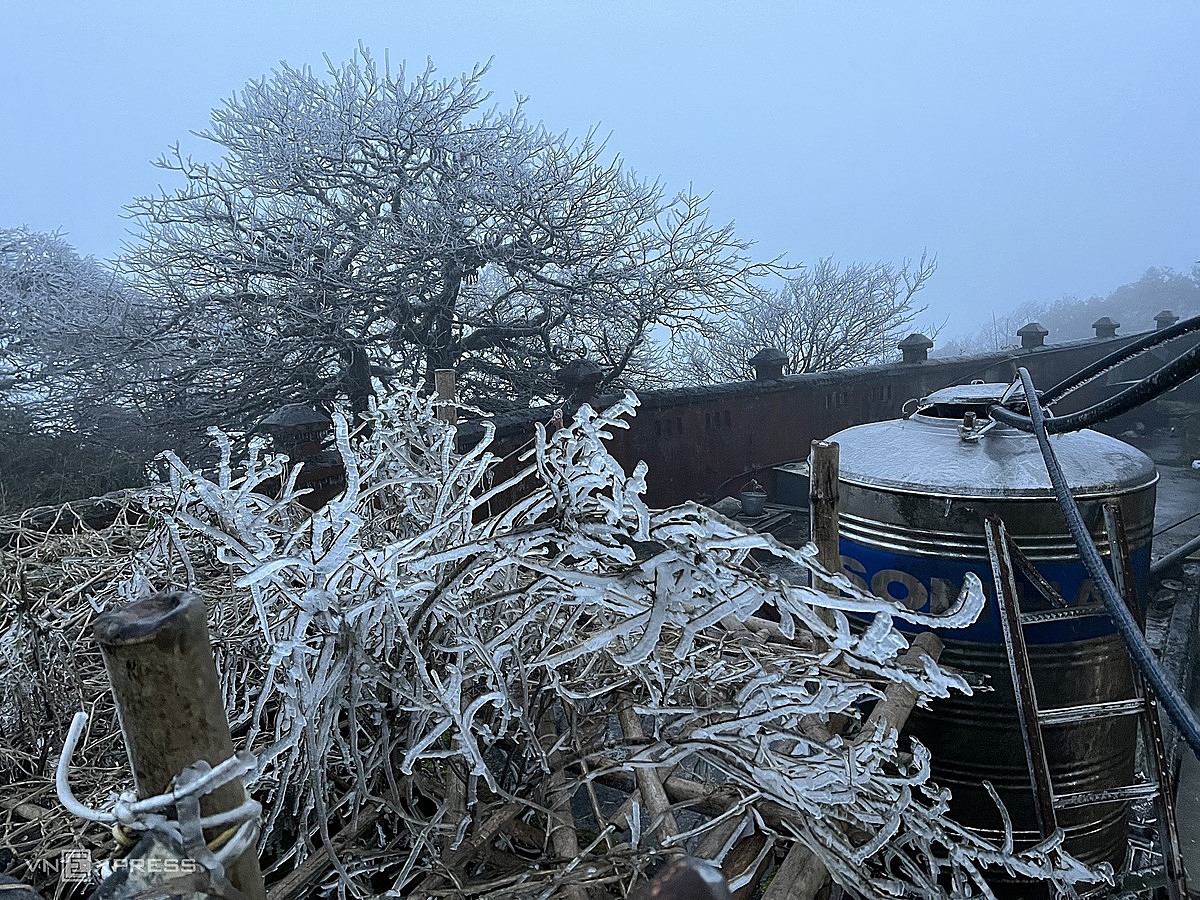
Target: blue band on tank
{"points": [[931, 584]]}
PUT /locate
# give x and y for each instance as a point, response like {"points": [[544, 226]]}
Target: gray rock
{"points": [[11, 889]]}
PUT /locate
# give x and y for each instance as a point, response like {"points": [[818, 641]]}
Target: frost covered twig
{"points": [[412, 653]]}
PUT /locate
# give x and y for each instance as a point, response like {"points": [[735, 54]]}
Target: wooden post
{"points": [[168, 699], [741, 857], [444, 387], [823, 502]]}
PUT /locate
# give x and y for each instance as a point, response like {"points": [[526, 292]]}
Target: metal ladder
{"points": [[1004, 553]]}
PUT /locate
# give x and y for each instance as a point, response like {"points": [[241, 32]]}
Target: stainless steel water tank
{"points": [[914, 495]]}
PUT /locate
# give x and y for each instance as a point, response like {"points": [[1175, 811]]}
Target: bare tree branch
{"points": [[827, 317], [363, 215]]}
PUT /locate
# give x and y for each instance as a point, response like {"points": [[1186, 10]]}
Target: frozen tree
{"points": [[364, 228], [74, 342], [826, 317], [60, 320]]}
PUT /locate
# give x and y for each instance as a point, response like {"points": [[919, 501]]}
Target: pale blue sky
{"points": [[1039, 149]]}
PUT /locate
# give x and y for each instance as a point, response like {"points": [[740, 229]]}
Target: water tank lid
{"points": [[954, 402], [977, 392], [926, 455]]}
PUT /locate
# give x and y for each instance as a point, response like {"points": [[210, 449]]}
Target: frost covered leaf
{"points": [[408, 647]]}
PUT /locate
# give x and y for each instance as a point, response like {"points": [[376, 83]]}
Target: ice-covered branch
{"points": [[417, 654]]}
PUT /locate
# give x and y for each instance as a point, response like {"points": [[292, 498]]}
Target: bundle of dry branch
{"points": [[546, 701], [56, 573]]}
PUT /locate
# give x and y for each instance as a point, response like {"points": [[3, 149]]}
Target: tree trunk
{"points": [[439, 350], [359, 387]]}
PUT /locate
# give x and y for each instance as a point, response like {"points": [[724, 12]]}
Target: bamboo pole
{"points": [[168, 699]]}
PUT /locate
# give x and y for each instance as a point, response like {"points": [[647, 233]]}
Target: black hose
{"points": [[1177, 555], [1169, 376], [1175, 704], [1114, 359]]}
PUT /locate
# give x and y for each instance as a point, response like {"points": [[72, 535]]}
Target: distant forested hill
{"points": [[1133, 305]]}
